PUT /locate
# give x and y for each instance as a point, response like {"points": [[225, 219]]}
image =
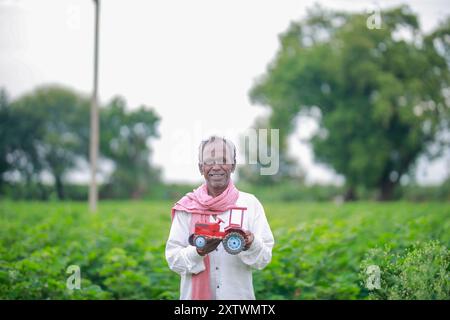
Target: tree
{"points": [[125, 139], [381, 95], [53, 125], [7, 136], [288, 168], [47, 130]]}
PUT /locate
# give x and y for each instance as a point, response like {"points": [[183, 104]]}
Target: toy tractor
{"points": [[233, 236]]}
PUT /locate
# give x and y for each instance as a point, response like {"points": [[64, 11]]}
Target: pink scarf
{"points": [[201, 205]]}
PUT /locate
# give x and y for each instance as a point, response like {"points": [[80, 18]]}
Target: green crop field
{"points": [[321, 251]]}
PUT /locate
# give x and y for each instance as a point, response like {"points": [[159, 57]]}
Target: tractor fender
{"points": [[238, 230]]}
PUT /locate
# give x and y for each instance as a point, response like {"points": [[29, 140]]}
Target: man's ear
{"points": [[200, 168], [233, 166]]}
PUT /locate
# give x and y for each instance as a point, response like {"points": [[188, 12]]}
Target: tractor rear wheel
{"points": [[233, 242]]}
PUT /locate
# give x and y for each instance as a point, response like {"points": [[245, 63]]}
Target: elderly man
{"points": [[210, 272]]}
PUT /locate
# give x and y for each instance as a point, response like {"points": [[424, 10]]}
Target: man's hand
{"points": [[249, 237], [211, 244]]}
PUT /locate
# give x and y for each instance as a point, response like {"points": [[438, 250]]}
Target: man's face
{"points": [[217, 165]]}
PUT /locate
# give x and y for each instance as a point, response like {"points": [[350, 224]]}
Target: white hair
{"points": [[211, 139]]}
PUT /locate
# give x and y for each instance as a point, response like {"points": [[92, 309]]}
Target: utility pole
{"points": [[94, 134]]}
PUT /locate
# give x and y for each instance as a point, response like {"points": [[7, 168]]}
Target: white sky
{"points": [[193, 61]]}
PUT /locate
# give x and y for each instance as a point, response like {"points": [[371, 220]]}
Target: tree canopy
{"points": [[47, 131], [380, 96]]}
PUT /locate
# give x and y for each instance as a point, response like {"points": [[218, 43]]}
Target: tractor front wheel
{"points": [[200, 242], [233, 242]]}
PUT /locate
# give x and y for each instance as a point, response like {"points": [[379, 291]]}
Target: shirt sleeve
{"points": [[260, 252], [180, 255]]}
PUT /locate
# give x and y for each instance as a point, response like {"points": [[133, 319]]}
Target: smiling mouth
{"points": [[216, 174]]}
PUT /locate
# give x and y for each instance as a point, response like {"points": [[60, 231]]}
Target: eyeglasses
{"points": [[211, 162]]}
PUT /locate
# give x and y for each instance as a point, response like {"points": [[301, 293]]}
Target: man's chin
{"points": [[218, 184]]}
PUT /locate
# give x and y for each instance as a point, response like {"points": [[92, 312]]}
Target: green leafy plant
{"points": [[419, 272], [320, 250]]}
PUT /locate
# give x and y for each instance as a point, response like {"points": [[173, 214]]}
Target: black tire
{"points": [[233, 242], [191, 239]]}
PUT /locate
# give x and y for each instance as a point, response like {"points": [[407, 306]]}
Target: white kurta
{"points": [[230, 275]]}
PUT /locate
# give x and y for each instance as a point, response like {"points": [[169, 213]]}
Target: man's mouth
{"points": [[216, 174]]}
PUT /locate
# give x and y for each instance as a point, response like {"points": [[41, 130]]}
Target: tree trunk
{"points": [[350, 195], [386, 190], [59, 187], [28, 186], [43, 191]]}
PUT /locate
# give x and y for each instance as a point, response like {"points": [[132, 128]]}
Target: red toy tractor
{"points": [[233, 236]]}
